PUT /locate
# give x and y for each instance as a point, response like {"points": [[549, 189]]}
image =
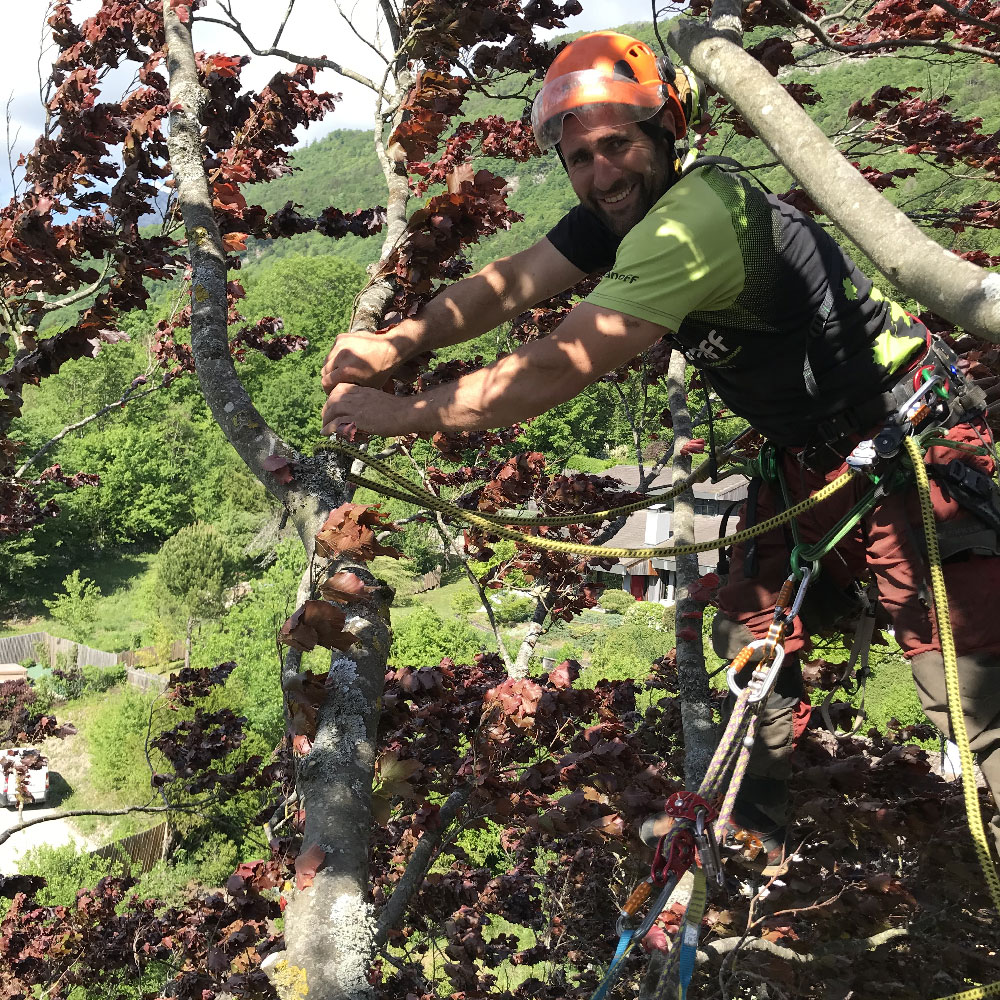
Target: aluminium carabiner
{"points": [[764, 675]]}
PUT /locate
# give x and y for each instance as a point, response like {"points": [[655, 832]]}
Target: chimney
{"points": [[657, 525]]}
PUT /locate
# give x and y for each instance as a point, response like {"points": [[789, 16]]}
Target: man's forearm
{"points": [[537, 376], [589, 343], [462, 311], [506, 392], [480, 303]]}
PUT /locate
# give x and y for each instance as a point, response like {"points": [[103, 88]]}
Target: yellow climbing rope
{"points": [[413, 493], [955, 715], [417, 495], [496, 524]]}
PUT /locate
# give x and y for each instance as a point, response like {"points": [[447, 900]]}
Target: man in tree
{"points": [[785, 328]]}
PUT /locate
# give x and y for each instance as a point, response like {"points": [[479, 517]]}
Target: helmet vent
{"points": [[622, 68]]}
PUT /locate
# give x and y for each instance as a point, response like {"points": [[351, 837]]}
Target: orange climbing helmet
{"points": [[606, 78]]}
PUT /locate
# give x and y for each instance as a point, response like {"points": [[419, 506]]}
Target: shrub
{"points": [[512, 608], [100, 679], [401, 575], [423, 639], [76, 607], [117, 738], [626, 652], [68, 682], [891, 693], [194, 566], [567, 651], [465, 603], [648, 615], [617, 601], [65, 869]]}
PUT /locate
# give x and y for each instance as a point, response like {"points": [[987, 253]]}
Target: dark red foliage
{"points": [[558, 777], [894, 20]]}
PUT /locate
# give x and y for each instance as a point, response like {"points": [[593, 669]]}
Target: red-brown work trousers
{"points": [[888, 543]]}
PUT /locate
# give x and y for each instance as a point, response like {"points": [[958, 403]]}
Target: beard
{"points": [[649, 188]]}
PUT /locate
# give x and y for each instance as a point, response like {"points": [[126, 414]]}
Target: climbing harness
{"points": [[686, 832], [691, 822], [768, 654]]}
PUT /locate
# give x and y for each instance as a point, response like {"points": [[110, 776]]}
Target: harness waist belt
{"points": [[966, 398]]}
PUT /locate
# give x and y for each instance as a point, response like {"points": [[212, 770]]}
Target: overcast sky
{"points": [[314, 29]]}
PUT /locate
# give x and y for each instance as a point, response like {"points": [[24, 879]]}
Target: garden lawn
{"points": [[73, 784], [126, 610], [439, 600]]}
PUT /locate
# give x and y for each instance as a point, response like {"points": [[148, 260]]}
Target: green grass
{"points": [[73, 785], [438, 600], [126, 612]]}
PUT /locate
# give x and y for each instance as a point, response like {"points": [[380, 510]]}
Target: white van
{"points": [[37, 776]]}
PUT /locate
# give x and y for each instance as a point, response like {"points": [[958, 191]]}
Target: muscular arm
{"points": [[462, 311], [589, 343]]}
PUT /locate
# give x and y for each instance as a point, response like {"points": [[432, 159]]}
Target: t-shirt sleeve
{"points": [[682, 257], [584, 240]]}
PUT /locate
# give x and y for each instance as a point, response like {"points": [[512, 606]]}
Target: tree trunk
{"points": [[330, 927], [329, 921], [700, 734], [187, 643], [307, 496], [530, 640]]}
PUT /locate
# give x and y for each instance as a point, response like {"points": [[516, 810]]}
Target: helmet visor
{"points": [[596, 99]]}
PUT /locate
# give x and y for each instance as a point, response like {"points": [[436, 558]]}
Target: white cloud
{"points": [[314, 29]]}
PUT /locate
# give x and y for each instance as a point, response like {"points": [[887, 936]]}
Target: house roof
{"points": [[632, 536]]}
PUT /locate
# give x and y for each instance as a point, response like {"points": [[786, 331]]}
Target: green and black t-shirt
{"points": [[787, 329]]}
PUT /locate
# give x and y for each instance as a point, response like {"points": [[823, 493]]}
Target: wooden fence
{"points": [[144, 848], [33, 645], [41, 645], [136, 657], [145, 681]]}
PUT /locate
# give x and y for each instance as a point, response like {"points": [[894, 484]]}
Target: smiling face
{"points": [[618, 172]]}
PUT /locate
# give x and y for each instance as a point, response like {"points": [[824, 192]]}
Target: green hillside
{"points": [[164, 462], [340, 169]]}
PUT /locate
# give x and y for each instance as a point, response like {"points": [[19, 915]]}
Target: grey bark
{"points": [[967, 295], [700, 734], [310, 495], [536, 627], [330, 927]]}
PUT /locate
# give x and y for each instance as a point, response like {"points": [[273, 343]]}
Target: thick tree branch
{"points": [[310, 495], [330, 927], [416, 868], [961, 292], [392, 22], [726, 19], [692, 684]]}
